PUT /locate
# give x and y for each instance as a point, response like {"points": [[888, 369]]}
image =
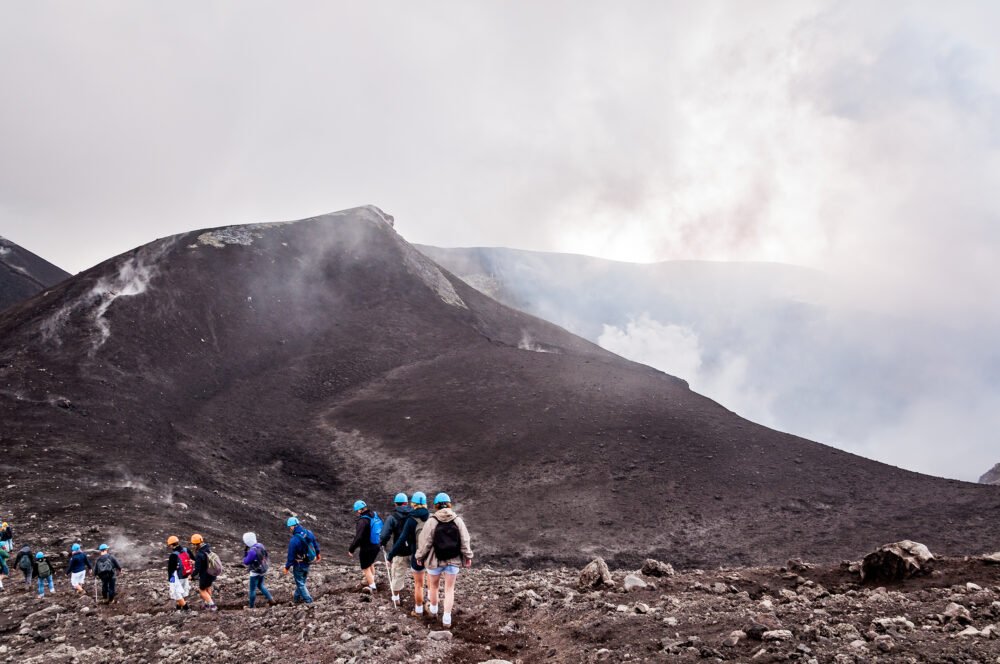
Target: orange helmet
{"points": [[197, 539], [173, 539]]}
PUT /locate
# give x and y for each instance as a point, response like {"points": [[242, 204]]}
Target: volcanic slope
{"points": [[219, 380], [23, 274]]}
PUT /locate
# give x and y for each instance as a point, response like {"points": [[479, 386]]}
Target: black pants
{"points": [[108, 586]]}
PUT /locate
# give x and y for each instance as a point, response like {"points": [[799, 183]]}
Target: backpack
{"points": [[447, 540], [261, 562], [310, 554], [104, 567], [213, 564], [375, 536], [25, 563], [44, 569], [185, 566]]}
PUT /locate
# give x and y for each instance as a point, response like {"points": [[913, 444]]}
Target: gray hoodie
{"points": [[425, 548]]}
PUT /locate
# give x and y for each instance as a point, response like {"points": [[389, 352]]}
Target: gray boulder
{"points": [[896, 561], [635, 582]]}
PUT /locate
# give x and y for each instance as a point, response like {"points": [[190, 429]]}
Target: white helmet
{"points": [[249, 539]]}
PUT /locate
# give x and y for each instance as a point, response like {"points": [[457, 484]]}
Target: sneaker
{"points": [[446, 620]]}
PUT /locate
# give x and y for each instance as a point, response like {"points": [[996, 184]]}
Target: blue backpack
{"points": [[375, 536], [310, 554]]}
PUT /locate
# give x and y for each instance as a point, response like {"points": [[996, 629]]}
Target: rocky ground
{"points": [[801, 612]]}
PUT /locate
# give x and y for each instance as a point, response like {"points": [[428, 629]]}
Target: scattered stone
{"points": [[652, 567], [884, 643], [777, 635], [734, 638], [642, 608], [596, 575], [634, 582], [442, 635], [957, 613]]}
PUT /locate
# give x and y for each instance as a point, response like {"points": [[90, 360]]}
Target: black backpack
{"points": [[25, 563], [104, 567], [261, 562], [447, 540]]}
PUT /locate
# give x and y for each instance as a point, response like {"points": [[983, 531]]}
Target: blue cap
{"points": [[39, 555], [103, 547], [400, 499], [442, 498], [292, 521], [419, 498], [75, 547], [359, 505]]}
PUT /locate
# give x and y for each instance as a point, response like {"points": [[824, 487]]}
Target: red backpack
{"points": [[185, 564]]}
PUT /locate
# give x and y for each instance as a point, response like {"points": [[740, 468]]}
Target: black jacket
{"points": [[406, 543], [115, 567], [201, 562], [7, 533], [393, 525], [24, 552], [362, 533]]}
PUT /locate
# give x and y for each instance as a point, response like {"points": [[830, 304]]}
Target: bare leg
{"points": [[432, 588], [418, 588], [449, 591]]}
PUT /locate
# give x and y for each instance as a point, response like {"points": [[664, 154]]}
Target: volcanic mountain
{"points": [[219, 380], [22, 274]]}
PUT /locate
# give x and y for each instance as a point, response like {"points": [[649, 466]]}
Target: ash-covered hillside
{"points": [[23, 274], [217, 380]]}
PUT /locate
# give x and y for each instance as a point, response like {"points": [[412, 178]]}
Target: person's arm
{"points": [[426, 537], [172, 564], [250, 556], [293, 545], [90, 565], [466, 541], [404, 537], [315, 542], [387, 528], [114, 563], [360, 526]]}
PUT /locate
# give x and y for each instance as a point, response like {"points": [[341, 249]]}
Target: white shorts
{"points": [[77, 578], [179, 589]]}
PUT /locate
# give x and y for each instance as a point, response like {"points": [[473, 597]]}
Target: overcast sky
{"points": [[856, 137]]}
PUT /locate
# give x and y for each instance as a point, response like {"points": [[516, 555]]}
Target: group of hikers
{"points": [[412, 541], [36, 567]]}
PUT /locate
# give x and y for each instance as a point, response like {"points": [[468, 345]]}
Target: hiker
{"points": [[43, 572], [444, 547], [406, 545], [256, 559], [367, 533], [180, 567], [106, 569], [24, 562], [4, 568], [392, 529], [77, 568], [207, 567], [6, 537], [303, 551]]}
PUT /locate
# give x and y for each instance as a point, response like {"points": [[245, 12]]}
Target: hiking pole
{"points": [[388, 572]]}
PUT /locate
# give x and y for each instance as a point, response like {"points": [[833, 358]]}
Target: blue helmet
{"points": [[400, 499], [103, 547], [292, 521], [442, 498], [39, 555], [75, 547], [359, 505], [419, 498]]}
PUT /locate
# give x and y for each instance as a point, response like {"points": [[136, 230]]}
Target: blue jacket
{"points": [[77, 563], [297, 547]]}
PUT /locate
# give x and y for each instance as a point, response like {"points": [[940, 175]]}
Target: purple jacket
{"points": [[252, 553]]}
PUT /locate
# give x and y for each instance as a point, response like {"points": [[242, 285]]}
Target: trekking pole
{"points": [[95, 590], [388, 572]]}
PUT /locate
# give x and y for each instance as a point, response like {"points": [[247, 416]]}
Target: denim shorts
{"points": [[447, 569], [414, 566]]}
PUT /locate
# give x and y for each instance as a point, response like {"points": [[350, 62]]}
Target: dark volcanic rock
{"points": [[896, 561], [23, 274], [250, 372]]}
